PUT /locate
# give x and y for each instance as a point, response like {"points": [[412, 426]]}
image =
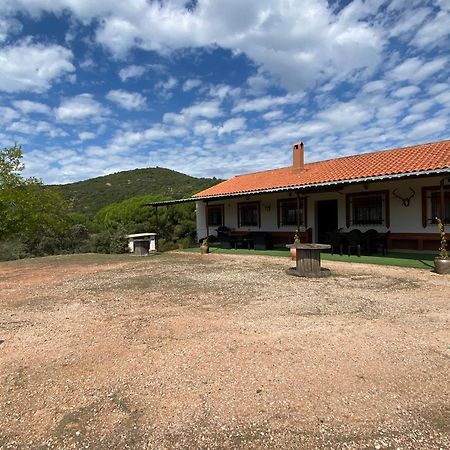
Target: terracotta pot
{"points": [[442, 266], [293, 252], [204, 249]]}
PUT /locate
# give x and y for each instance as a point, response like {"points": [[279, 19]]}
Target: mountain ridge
{"points": [[89, 196]]}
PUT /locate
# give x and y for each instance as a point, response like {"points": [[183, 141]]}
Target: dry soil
{"points": [[182, 351]]}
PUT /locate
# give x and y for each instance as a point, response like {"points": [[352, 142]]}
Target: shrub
{"points": [[12, 249], [166, 246], [110, 241]]}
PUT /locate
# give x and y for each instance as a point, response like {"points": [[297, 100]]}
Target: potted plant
{"points": [[297, 242], [442, 262], [204, 246]]}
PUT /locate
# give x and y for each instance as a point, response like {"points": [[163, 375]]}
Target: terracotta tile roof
{"points": [[417, 158]]}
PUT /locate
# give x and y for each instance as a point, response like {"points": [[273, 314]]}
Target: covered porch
{"points": [[360, 218]]}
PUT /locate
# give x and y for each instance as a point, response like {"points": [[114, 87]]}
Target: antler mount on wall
{"points": [[405, 200]]}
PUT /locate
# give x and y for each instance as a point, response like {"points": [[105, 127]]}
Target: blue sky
{"points": [[217, 88]]}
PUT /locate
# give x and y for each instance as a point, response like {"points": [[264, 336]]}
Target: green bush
{"points": [[186, 242], [110, 241], [166, 246], [12, 249]]}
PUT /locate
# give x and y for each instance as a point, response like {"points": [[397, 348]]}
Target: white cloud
{"points": [[222, 91], [444, 98], [422, 106], [65, 165], [388, 111], [80, 107], [406, 91], [124, 140], [346, 115], [299, 42], [273, 115], [167, 85], [203, 127], [409, 21], [132, 71], [87, 64], [417, 70], [267, 102], [428, 128], [411, 118], [8, 26], [190, 84], [231, 125], [87, 135], [30, 127], [8, 114], [127, 100], [435, 31], [375, 86], [174, 118], [438, 88], [27, 66], [30, 107], [258, 84], [208, 109]]}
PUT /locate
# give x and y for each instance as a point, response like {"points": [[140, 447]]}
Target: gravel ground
{"points": [[182, 351]]}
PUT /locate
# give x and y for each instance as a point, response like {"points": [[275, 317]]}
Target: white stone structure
{"points": [[142, 243]]}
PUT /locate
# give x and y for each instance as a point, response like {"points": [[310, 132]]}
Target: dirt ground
{"points": [[182, 351]]}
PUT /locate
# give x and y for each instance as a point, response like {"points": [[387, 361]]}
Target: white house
{"points": [[399, 191]]}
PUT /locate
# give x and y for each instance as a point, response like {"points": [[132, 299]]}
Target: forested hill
{"points": [[91, 195]]}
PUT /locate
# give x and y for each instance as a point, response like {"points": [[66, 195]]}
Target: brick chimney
{"points": [[297, 156]]}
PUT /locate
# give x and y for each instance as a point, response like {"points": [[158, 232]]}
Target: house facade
{"points": [[399, 191]]}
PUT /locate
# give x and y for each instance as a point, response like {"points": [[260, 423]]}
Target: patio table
{"points": [[307, 262]]}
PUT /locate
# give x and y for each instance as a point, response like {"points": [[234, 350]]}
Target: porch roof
{"points": [[417, 160]]}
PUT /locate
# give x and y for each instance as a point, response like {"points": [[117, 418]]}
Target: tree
{"points": [[10, 166], [27, 208], [175, 226]]}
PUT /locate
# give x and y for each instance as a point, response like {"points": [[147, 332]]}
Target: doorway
{"points": [[326, 218]]}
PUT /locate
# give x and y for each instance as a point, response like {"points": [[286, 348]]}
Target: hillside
{"points": [[89, 196]]}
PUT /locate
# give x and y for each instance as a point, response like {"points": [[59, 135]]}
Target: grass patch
{"points": [[409, 260], [399, 259]]}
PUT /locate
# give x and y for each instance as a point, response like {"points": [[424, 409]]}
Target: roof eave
{"points": [[305, 186], [330, 183]]}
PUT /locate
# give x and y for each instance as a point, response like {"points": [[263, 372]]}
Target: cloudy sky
{"points": [[217, 88]]}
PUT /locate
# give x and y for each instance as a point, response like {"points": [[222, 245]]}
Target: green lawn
{"points": [[400, 259]]}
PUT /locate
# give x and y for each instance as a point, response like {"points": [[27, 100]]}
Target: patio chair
{"points": [[224, 238], [336, 240], [259, 240], [382, 242], [354, 239], [369, 241]]}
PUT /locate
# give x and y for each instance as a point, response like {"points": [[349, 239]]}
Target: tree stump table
{"points": [[307, 262]]}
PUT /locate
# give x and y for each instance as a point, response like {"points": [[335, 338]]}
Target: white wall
{"points": [[402, 219], [200, 212]]}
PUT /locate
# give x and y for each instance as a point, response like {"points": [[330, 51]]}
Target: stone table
{"points": [[308, 260]]}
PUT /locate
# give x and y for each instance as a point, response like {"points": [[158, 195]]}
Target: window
{"points": [[249, 214], [436, 206], [371, 208], [287, 212], [367, 210], [431, 205], [215, 215]]}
